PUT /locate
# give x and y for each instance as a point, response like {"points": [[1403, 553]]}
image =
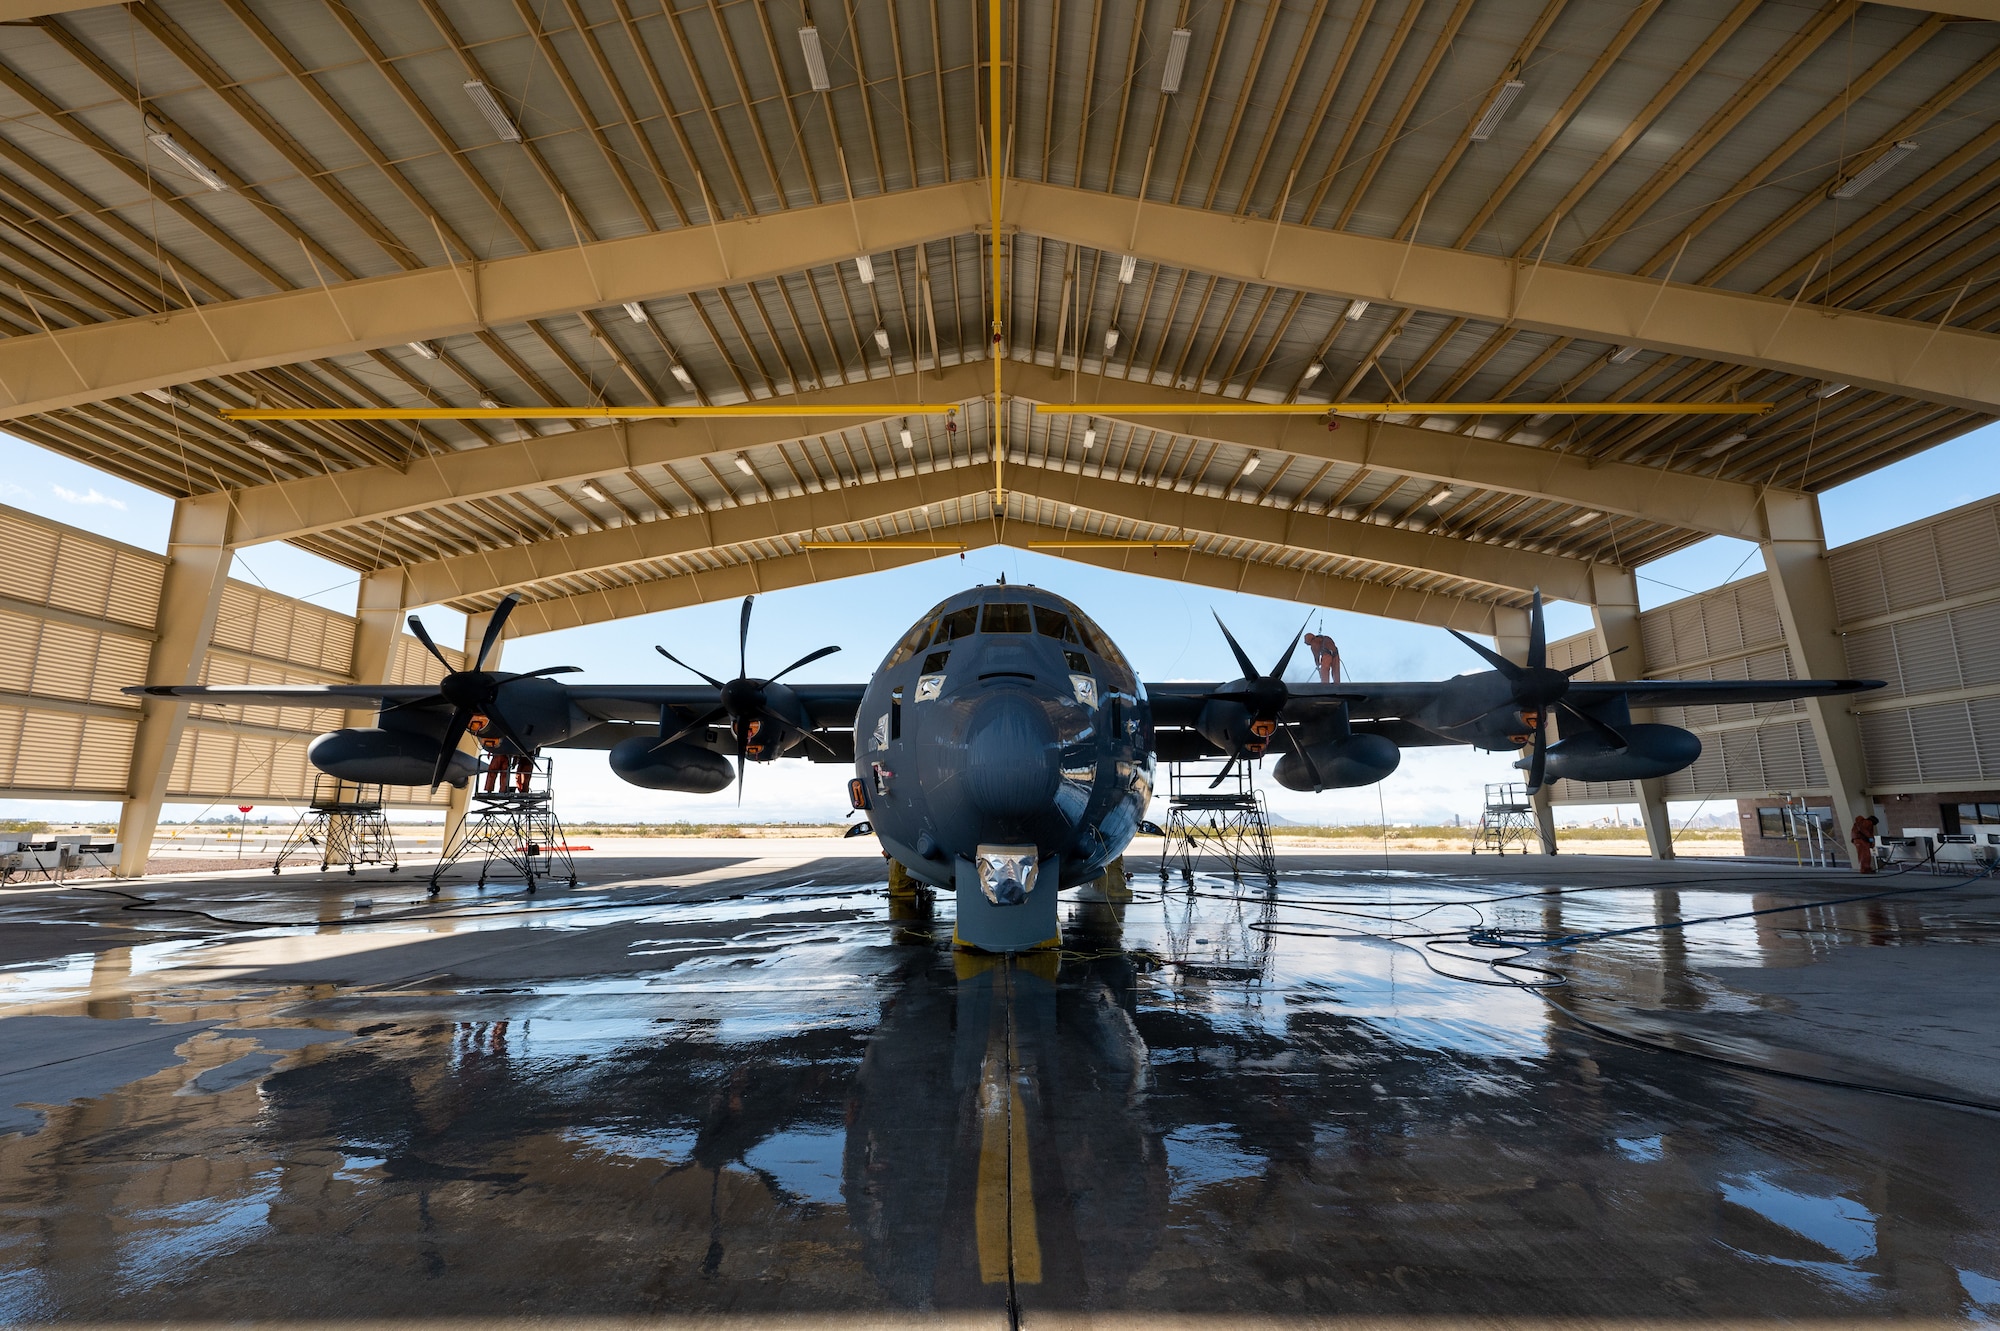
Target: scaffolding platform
{"points": [[1508, 819], [343, 824], [513, 830], [1227, 820]]}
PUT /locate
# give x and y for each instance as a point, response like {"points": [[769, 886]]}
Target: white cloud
{"points": [[91, 496]]}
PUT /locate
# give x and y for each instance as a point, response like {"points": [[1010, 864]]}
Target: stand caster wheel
{"points": [[433, 891], [350, 871]]}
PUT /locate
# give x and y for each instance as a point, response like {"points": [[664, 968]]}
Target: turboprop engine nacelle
{"points": [[367, 756], [682, 767], [1650, 751], [1352, 760]]}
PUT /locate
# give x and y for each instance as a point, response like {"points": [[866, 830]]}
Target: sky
{"points": [[1163, 626]]}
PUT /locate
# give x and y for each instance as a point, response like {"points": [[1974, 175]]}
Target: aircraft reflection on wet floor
{"points": [[1227, 1100]]}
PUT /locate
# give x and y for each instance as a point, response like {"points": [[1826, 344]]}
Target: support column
{"points": [[1510, 639], [198, 558], [1617, 615], [1802, 585], [460, 799], [378, 620]]}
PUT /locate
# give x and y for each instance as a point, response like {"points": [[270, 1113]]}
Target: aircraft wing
{"points": [[289, 695], [1179, 703], [1697, 692], [832, 706]]}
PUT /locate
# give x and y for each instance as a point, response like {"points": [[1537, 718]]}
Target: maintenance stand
{"points": [[512, 827], [1216, 814], [345, 823], [1508, 819]]}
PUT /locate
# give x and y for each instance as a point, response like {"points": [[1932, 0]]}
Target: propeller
{"points": [[1538, 690], [1265, 696], [742, 699], [475, 691]]}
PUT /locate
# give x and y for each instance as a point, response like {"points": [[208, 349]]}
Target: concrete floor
{"points": [[735, 1078]]}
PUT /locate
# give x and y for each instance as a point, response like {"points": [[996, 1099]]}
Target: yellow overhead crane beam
{"points": [[880, 409], [1240, 408]]}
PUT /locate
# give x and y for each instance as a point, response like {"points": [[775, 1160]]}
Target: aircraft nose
{"points": [[1012, 756]]}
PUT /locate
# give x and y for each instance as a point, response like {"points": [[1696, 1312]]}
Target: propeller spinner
{"points": [[744, 701], [476, 691], [1265, 696], [1538, 690]]}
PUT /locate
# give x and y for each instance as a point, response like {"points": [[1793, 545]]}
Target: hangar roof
{"points": [[212, 204]]}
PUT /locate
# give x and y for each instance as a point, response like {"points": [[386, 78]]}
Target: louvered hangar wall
{"points": [[1919, 608], [76, 625]]}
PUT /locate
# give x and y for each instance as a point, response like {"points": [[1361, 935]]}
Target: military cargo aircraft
{"points": [[1005, 749]]}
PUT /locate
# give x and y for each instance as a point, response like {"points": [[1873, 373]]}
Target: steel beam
{"points": [[1795, 561], [288, 510], [89, 363], [460, 577], [1698, 503], [1931, 362], [1367, 598], [1517, 570], [1616, 610], [190, 597]]}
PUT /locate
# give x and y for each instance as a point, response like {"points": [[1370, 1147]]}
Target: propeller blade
{"points": [[1278, 670], [1227, 768], [1242, 657], [551, 670], [742, 750], [685, 666], [701, 723], [1576, 670], [743, 649], [785, 724], [1610, 733], [453, 733], [1298, 747], [1539, 763], [496, 622], [424, 637], [803, 660], [1538, 634], [1491, 657]]}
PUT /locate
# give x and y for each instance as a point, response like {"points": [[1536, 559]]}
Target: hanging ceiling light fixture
{"points": [[1829, 389], [1110, 340], [1355, 309], [595, 493], [1620, 355], [815, 58], [636, 310], [1177, 49], [686, 379], [1872, 172], [1436, 497], [882, 340], [864, 268], [424, 349], [1724, 444], [1089, 435], [156, 134], [1582, 518], [1491, 120], [909, 440], [496, 114], [1128, 266], [1249, 466], [743, 465], [1313, 371]]}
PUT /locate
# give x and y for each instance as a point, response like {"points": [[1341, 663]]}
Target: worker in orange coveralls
{"points": [[1863, 837]]}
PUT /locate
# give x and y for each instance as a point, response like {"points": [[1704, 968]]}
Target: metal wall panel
{"points": [[76, 625], [1920, 610]]}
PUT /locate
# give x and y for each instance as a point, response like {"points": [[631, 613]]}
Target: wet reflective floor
{"points": [[749, 1082]]}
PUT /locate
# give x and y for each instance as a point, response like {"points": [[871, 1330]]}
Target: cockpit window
{"points": [[913, 641], [1054, 624], [1095, 640], [1006, 617], [957, 624]]}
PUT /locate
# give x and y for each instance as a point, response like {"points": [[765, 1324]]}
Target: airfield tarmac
{"points": [[737, 1079]]}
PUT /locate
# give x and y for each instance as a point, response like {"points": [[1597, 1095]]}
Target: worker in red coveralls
{"points": [[1863, 837], [1326, 656]]}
